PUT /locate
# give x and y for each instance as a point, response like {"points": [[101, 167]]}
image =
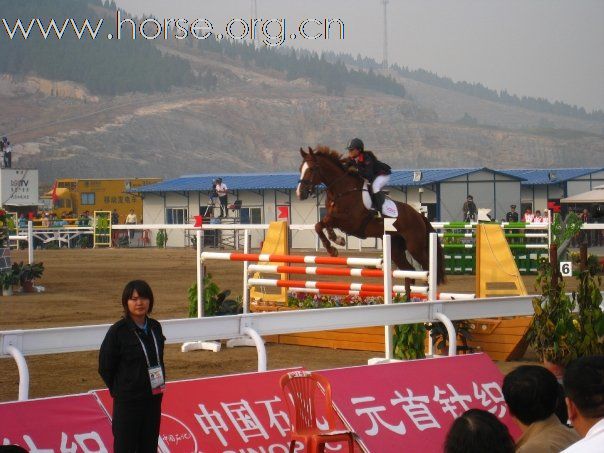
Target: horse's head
{"points": [[309, 174]]}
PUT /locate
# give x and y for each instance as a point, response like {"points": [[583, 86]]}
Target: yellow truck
{"points": [[70, 197]]}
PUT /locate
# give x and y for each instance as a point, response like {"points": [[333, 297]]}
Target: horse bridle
{"points": [[314, 168]]}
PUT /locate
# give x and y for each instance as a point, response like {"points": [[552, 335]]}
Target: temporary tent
{"points": [[593, 196]]}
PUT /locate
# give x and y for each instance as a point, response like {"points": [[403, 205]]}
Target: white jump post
{"points": [[387, 267], [200, 345], [252, 338], [30, 242]]}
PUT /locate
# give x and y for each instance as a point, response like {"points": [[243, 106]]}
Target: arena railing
{"points": [[21, 343]]}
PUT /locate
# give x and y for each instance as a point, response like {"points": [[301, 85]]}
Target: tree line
{"points": [[475, 89], [103, 66]]}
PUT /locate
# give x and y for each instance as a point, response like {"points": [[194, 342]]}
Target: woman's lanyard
{"points": [[145, 349]]}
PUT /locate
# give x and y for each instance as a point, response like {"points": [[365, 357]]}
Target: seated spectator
{"points": [[528, 216], [538, 217], [478, 431], [22, 222], [46, 221], [584, 387], [531, 393]]}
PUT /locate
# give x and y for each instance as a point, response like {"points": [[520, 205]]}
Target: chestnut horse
{"points": [[346, 211]]}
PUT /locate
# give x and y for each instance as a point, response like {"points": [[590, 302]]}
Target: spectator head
{"points": [[218, 180], [584, 387], [537, 212], [470, 198], [512, 207], [531, 393], [478, 431]]}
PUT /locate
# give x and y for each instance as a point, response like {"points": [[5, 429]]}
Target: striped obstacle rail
{"points": [[332, 288], [382, 268], [460, 258], [305, 284], [373, 262]]}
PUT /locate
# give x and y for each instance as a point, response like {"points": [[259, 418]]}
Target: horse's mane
{"points": [[330, 154]]}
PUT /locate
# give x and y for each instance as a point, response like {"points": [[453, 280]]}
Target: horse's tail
{"points": [[440, 255]]}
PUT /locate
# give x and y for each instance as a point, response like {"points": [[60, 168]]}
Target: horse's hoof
{"points": [[333, 251], [340, 241]]}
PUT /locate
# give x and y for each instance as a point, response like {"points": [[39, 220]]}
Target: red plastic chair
{"points": [[301, 389]]}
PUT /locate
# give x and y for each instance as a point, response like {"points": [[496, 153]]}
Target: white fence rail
{"points": [[21, 343]]}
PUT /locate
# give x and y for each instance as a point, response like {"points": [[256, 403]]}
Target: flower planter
{"points": [[28, 286], [7, 291]]}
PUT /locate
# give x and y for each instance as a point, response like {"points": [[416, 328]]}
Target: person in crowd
{"points": [[584, 387], [131, 220], [22, 222], [478, 431], [531, 393], [8, 153], [131, 363], [45, 220], [376, 173], [512, 215], [2, 151], [528, 216], [538, 218], [222, 191], [115, 220], [470, 211], [584, 235]]}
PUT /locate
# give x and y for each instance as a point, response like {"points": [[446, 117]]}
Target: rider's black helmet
{"points": [[356, 143]]}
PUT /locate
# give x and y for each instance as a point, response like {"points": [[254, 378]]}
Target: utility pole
{"points": [[385, 57], [254, 15]]}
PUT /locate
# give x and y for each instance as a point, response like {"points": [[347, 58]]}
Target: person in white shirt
{"points": [[222, 190], [584, 387], [131, 220]]}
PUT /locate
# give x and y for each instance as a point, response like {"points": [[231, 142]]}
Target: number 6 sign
{"points": [[566, 268]]}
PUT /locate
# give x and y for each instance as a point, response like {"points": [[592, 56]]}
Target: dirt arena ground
{"points": [[83, 286]]}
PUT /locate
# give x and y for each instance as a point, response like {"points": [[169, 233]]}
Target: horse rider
{"points": [[369, 167]]}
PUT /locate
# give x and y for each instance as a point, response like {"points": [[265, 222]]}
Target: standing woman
{"points": [[131, 362]]}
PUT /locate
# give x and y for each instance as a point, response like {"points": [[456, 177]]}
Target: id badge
{"points": [[156, 377]]}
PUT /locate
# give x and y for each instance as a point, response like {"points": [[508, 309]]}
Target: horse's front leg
{"points": [[319, 227], [333, 237]]}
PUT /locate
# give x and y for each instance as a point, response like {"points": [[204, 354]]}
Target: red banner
{"points": [[229, 414], [409, 406], [75, 424]]}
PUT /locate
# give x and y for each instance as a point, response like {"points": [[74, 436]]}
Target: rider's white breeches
{"points": [[379, 182]]}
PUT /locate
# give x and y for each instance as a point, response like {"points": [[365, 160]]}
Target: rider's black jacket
{"points": [[368, 166]]}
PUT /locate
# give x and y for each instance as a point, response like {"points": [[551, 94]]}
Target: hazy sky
{"points": [[540, 48]]}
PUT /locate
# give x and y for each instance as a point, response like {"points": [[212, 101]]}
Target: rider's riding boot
{"points": [[379, 199], [374, 204]]}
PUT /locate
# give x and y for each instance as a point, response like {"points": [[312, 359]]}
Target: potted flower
{"points": [[565, 327], [8, 278], [28, 273]]}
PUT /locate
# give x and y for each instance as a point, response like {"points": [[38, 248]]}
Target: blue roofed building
{"points": [[266, 197]]}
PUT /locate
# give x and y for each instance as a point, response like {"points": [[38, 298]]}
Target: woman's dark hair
{"points": [[142, 288], [478, 431]]}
